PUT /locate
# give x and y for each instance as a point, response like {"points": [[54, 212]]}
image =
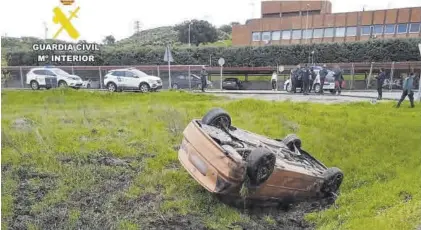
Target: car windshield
{"points": [[139, 73], [60, 72]]}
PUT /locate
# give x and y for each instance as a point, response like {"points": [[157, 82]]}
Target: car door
{"points": [[131, 80], [119, 78], [181, 82]]}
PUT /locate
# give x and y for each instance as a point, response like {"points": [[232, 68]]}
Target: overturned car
{"points": [[225, 160]]}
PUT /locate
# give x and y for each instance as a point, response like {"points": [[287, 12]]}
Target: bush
{"points": [[374, 50]]}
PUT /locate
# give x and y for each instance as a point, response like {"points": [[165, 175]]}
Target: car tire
{"points": [[144, 88], [174, 86], [260, 165], [316, 88], [288, 88], [62, 84], [112, 87], [290, 140], [333, 178], [217, 117], [47, 88], [332, 91], [34, 85]]}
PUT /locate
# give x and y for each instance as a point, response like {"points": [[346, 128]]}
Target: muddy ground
{"points": [[102, 206]]}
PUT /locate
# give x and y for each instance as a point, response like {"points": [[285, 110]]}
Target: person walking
{"points": [[323, 73], [380, 80], [203, 75], [408, 83], [274, 81], [339, 79], [294, 78], [306, 79]]}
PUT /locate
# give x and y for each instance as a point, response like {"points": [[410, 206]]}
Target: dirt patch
{"points": [[284, 216], [32, 188], [24, 124]]}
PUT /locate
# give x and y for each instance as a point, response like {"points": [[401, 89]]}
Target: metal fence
{"points": [[358, 76]]}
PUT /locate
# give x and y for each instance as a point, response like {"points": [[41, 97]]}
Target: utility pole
{"points": [[306, 31], [137, 27], [45, 31]]}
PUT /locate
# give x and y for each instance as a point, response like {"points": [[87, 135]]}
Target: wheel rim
{"points": [[289, 87], [221, 122], [144, 88], [62, 84], [111, 87], [317, 88], [175, 86], [265, 170], [34, 85]]}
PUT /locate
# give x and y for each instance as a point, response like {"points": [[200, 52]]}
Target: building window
{"points": [[414, 28], [307, 33], [351, 31], [389, 29], [318, 33], [366, 30], [266, 36], [276, 35], [256, 36], [296, 34], [402, 28], [378, 29], [340, 32], [286, 34], [329, 32]]}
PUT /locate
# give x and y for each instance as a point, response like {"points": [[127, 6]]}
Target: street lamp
{"points": [[306, 31]]}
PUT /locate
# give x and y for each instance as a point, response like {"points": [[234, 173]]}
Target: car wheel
{"points": [[62, 84], [144, 88], [88, 86], [112, 87], [47, 88], [332, 91], [333, 179], [34, 85], [292, 140], [174, 86], [260, 165], [317, 88], [289, 88], [217, 117]]}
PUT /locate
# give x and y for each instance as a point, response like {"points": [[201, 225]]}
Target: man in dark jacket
{"points": [[380, 80], [339, 78], [312, 78], [294, 78], [203, 75], [407, 85], [323, 73], [306, 79]]}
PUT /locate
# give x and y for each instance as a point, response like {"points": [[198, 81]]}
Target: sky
{"points": [[97, 19]]}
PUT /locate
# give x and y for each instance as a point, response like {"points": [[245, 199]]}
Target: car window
{"points": [[48, 72], [39, 72], [181, 77], [118, 73], [129, 74]]}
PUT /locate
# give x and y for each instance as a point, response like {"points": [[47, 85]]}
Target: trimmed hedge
{"points": [[373, 50]]}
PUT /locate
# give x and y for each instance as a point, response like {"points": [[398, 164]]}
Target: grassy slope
{"points": [[54, 171]]}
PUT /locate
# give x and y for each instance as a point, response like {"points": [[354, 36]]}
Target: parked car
{"points": [[131, 79], [223, 159], [232, 83], [182, 82], [329, 83], [395, 83], [48, 77], [87, 84]]}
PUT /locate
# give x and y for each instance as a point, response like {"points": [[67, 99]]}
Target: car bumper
{"points": [[156, 86]]}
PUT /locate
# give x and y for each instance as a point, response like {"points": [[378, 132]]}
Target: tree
{"points": [[109, 40], [226, 28], [200, 32], [5, 75]]}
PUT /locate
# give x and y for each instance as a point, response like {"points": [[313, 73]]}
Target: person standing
{"points": [[294, 78], [306, 79], [407, 90], [323, 73], [339, 78], [274, 81], [203, 75], [312, 78], [380, 80]]}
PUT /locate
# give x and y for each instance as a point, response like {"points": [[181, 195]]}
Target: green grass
{"points": [[54, 175], [280, 76]]}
